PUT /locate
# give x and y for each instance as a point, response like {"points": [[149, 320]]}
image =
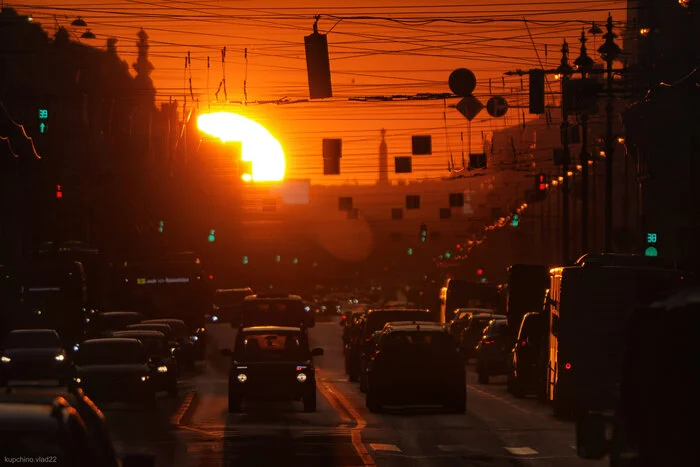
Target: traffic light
{"points": [[541, 184], [244, 260], [448, 254], [423, 233], [59, 192], [409, 251], [479, 272], [295, 261], [515, 221], [278, 258], [161, 226], [536, 92], [652, 242], [212, 236]]}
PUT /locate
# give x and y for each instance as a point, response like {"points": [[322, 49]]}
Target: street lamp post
{"points": [[565, 71], [584, 63], [609, 51]]}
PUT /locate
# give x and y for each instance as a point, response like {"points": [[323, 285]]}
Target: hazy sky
{"points": [[379, 47]]}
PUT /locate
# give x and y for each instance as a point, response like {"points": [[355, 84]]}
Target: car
{"points": [[33, 354], [375, 320], [56, 433], [493, 350], [114, 369], [461, 319], [474, 330], [272, 363], [186, 354], [103, 324], [163, 328], [226, 306], [416, 363], [164, 368], [527, 368], [91, 415]]}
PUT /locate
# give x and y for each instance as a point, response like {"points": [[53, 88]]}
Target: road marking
{"points": [[177, 417], [523, 451], [506, 401], [360, 423], [329, 393], [384, 447]]}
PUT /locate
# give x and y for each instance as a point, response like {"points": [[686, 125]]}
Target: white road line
{"points": [[384, 447], [521, 451]]}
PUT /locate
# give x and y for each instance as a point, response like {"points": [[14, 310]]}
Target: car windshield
{"points": [[420, 343], [179, 329], [497, 328], [153, 346], [31, 340], [111, 353], [271, 347], [164, 328]]}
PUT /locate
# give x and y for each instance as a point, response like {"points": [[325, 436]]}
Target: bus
{"points": [[53, 295], [588, 308], [459, 293], [167, 288]]}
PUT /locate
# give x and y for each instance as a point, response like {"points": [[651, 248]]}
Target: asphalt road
{"points": [[196, 429]]}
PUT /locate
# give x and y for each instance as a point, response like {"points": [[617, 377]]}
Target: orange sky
{"points": [[379, 47]]}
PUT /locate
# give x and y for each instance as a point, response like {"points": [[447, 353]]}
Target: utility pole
{"points": [[565, 71], [609, 51], [584, 63]]}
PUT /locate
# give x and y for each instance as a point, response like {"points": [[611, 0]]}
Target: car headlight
{"points": [[78, 380], [144, 378], [242, 377], [162, 369], [59, 358], [5, 359], [301, 377], [173, 350], [195, 338], [214, 318], [76, 347]]}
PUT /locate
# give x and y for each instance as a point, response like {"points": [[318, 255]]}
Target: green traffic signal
{"points": [[244, 260], [212, 235], [161, 226], [409, 251]]}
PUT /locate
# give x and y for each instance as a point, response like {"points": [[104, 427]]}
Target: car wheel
{"points": [[460, 402], [372, 401], [483, 377], [310, 401], [234, 403]]}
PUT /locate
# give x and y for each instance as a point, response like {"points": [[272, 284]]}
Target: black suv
{"points": [[272, 363], [416, 363]]}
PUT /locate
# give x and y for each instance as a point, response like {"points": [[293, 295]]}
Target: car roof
{"points": [[26, 416], [33, 331], [475, 310], [416, 326], [136, 333], [136, 326], [387, 310], [162, 321], [273, 296], [236, 289], [111, 340], [271, 329]]}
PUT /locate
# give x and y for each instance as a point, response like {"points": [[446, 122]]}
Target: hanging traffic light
{"points": [[479, 272], [409, 251], [295, 261], [59, 193], [423, 233], [536, 104], [278, 258], [448, 254], [212, 236], [244, 260], [161, 226], [516, 220]]}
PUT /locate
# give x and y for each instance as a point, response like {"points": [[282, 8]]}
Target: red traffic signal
{"points": [[59, 193], [479, 272], [541, 182]]}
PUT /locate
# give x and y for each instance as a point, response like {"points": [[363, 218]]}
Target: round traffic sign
{"points": [[462, 82], [497, 106]]}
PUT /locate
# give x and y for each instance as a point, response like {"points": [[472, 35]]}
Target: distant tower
{"points": [[383, 160], [143, 70]]}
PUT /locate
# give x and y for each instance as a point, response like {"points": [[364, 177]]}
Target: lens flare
{"points": [[258, 146]]}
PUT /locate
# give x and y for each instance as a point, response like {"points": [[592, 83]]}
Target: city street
{"points": [[197, 430]]}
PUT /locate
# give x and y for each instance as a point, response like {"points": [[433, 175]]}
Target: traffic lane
{"points": [[422, 436], [526, 426], [266, 433], [134, 428]]}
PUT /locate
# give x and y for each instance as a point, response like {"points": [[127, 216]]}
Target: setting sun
{"points": [[259, 146]]}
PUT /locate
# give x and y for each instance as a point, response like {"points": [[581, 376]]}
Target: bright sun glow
{"points": [[259, 146]]}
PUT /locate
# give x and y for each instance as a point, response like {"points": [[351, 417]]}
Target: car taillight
{"points": [[523, 343], [367, 339], [490, 341], [567, 366]]}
